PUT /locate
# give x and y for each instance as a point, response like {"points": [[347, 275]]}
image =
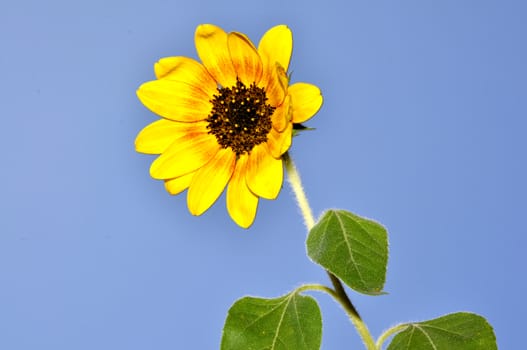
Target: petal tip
{"points": [[206, 30]]}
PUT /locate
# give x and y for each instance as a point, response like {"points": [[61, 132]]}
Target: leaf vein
{"points": [[275, 338], [350, 251], [426, 335], [378, 242], [262, 316]]}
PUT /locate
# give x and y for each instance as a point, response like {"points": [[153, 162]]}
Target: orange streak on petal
{"points": [[175, 100], [279, 142], [186, 154], [187, 70], [247, 63], [212, 48], [274, 81], [282, 115], [156, 137]]}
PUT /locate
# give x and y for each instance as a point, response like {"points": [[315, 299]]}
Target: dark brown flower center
{"points": [[240, 117]]}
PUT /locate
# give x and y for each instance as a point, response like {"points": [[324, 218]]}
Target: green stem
{"points": [[388, 333], [300, 195], [317, 287], [339, 292]]}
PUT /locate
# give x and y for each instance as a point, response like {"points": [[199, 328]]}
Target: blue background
{"points": [[423, 128]]}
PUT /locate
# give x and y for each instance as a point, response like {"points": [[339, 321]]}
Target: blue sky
{"points": [[423, 129]]}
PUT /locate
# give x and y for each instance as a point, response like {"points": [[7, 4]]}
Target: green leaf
{"points": [[458, 331], [352, 248], [289, 322]]}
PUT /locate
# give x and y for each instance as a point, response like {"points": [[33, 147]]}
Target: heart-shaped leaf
{"points": [[353, 248], [457, 331], [289, 322]]}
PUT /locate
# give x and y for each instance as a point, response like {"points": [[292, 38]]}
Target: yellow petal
{"points": [[210, 181], [175, 100], [276, 45], [288, 138], [156, 137], [306, 100], [241, 202], [247, 63], [281, 116], [186, 70], [212, 48], [274, 81], [186, 154], [178, 184], [264, 172], [279, 142]]}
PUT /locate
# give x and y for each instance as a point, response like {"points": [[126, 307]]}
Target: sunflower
{"points": [[227, 121]]}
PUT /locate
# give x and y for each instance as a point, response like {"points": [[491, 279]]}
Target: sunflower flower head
{"points": [[225, 121]]}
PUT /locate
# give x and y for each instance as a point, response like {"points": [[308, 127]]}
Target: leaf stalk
{"points": [[338, 293]]}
